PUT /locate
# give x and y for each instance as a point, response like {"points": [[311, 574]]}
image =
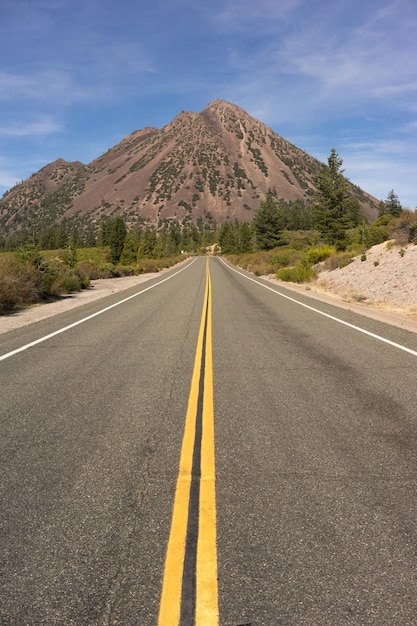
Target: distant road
{"points": [[299, 508]]}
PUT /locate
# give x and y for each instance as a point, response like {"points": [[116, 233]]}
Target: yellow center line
{"points": [[206, 608], [206, 600]]}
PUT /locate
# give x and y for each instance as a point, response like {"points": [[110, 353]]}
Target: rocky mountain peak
{"points": [[217, 164]]}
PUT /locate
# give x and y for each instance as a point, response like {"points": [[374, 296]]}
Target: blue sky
{"points": [[76, 76]]}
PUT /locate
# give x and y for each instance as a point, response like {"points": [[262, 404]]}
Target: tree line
{"points": [[333, 213]]}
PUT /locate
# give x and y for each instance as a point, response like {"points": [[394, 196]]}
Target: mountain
{"points": [[217, 164]]}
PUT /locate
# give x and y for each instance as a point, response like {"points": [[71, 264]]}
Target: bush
{"points": [[302, 272], [338, 260], [375, 234], [149, 266], [319, 253], [65, 283], [262, 269], [124, 270], [20, 284], [264, 262], [25, 279], [412, 238], [401, 229], [30, 276], [106, 270], [86, 270], [284, 257]]}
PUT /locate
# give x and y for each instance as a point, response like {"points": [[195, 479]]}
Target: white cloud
{"points": [[355, 61], [51, 86], [44, 125]]}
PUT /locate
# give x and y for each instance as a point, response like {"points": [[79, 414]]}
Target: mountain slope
{"points": [[218, 164]]}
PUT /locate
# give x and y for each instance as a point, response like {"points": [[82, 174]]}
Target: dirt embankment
{"points": [[384, 278], [381, 285]]}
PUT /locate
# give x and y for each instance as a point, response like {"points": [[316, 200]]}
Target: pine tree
{"points": [[229, 238], [392, 204], [336, 209], [245, 238], [268, 222], [117, 239]]}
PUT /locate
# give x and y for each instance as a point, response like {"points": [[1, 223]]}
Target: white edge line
{"points": [[335, 319], [89, 317]]}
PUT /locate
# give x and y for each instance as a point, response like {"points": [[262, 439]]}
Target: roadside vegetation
{"points": [[30, 276], [301, 255], [294, 244], [290, 240]]}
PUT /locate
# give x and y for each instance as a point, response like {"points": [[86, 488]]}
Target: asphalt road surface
{"points": [[122, 504]]}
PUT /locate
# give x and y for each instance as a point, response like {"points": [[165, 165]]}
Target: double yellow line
{"points": [[189, 590]]}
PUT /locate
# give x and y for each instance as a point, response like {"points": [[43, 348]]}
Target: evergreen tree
{"points": [[381, 208], [175, 236], [391, 206], [130, 247], [336, 208], [246, 237], [117, 240], [148, 246], [105, 228], [268, 222], [297, 215], [229, 238]]}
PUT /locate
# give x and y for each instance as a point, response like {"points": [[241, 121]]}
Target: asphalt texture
{"points": [[316, 458]]}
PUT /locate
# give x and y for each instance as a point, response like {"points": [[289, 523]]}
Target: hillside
{"points": [[218, 164]]}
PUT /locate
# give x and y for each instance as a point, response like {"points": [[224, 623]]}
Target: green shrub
{"points": [[265, 262], [124, 270], [319, 253], [65, 283], [283, 258], [302, 272], [375, 234], [106, 270]]}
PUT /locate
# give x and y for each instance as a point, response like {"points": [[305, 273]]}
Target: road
{"points": [[208, 448]]}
